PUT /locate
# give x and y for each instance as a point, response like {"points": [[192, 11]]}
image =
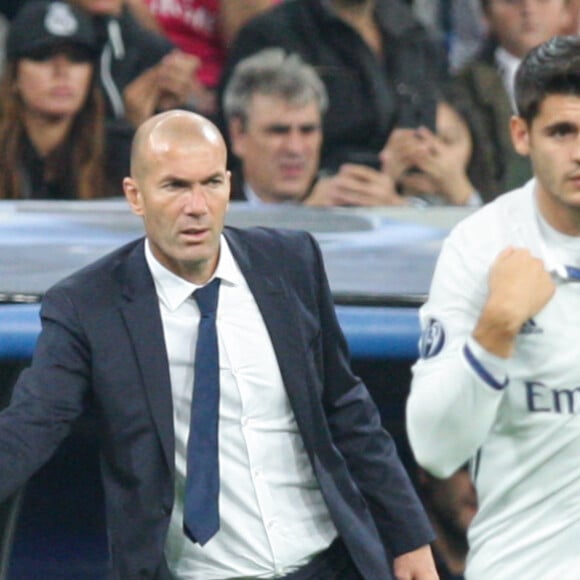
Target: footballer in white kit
{"points": [[498, 381]]}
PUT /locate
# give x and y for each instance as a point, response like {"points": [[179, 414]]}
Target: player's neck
{"points": [[562, 217]]}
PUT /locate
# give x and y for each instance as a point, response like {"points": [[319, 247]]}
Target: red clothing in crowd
{"points": [[193, 26]]}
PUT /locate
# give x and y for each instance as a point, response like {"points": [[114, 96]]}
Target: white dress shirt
{"points": [[273, 518], [255, 200], [252, 197]]}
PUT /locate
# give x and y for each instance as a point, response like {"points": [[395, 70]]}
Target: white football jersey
{"points": [[517, 420]]}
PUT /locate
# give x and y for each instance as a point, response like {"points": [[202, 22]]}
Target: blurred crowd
{"points": [[322, 102], [412, 107]]}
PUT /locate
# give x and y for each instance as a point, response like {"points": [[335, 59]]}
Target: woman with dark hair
{"points": [[434, 167], [51, 110]]}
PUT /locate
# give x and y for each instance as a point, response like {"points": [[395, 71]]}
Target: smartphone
{"points": [[364, 158]]}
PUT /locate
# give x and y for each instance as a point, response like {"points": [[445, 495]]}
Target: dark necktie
{"points": [[200, 513], [573, 274]]}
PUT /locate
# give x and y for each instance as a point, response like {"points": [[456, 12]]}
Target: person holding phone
{"points": [[274, 105], [380, 67], [434, 167]]}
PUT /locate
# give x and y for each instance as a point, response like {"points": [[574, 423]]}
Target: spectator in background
{"points": [[51, 110], [141, 72], [432, 168], [377, 62], [417, 167], [459, 23], [205, 29], [451, 504], [484, 88], [274, 104]]}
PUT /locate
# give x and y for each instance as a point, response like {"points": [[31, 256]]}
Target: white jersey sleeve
{"points": [[457, 387], [525, 434]]}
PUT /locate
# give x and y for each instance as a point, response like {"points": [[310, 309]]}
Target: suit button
{"points": [[166, 510]]}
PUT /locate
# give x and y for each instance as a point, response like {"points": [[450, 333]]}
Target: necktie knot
{"points": [[207, 297], [572, 273]]}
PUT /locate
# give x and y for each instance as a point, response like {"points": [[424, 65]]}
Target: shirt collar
{"points": [[251, 196], [508, 65], [255, 200], [546, 235], [173, 290]]}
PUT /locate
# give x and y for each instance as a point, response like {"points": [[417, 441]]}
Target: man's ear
{"points": [[520, 133], [237, 134], [133, 195]]}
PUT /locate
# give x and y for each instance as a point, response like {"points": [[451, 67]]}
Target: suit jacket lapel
{"points": [[278, 306], [140, 309]]}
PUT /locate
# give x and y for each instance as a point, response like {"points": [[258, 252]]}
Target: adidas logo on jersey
{"points": [[530, 327]]}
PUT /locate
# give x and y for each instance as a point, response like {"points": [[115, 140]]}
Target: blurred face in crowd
{"points": [[100, 7], [454, 134], [179, 185], [552, 140], [279, 147], [54, 84], [520, 25]]}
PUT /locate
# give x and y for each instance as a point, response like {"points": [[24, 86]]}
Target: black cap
{"points": [[40, 26]]}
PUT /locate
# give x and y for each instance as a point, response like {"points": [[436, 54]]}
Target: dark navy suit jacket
{"points": [[102, 345]]}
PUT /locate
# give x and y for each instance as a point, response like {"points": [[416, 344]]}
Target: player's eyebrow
{"points": [[561, 127]]}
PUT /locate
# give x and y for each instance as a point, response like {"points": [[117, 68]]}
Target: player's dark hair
{"points": [[553, 68]]}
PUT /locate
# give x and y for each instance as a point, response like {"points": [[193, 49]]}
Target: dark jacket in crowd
{"points": [[62, 185], [479, 93], [9, 8], [368, 96], [129, 49]]}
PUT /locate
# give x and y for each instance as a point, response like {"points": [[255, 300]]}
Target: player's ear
{"points": [[133, 195], [520, 133]]}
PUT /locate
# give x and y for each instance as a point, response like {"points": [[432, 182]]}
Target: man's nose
{"points": [[295, 140], [196, 202]]}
